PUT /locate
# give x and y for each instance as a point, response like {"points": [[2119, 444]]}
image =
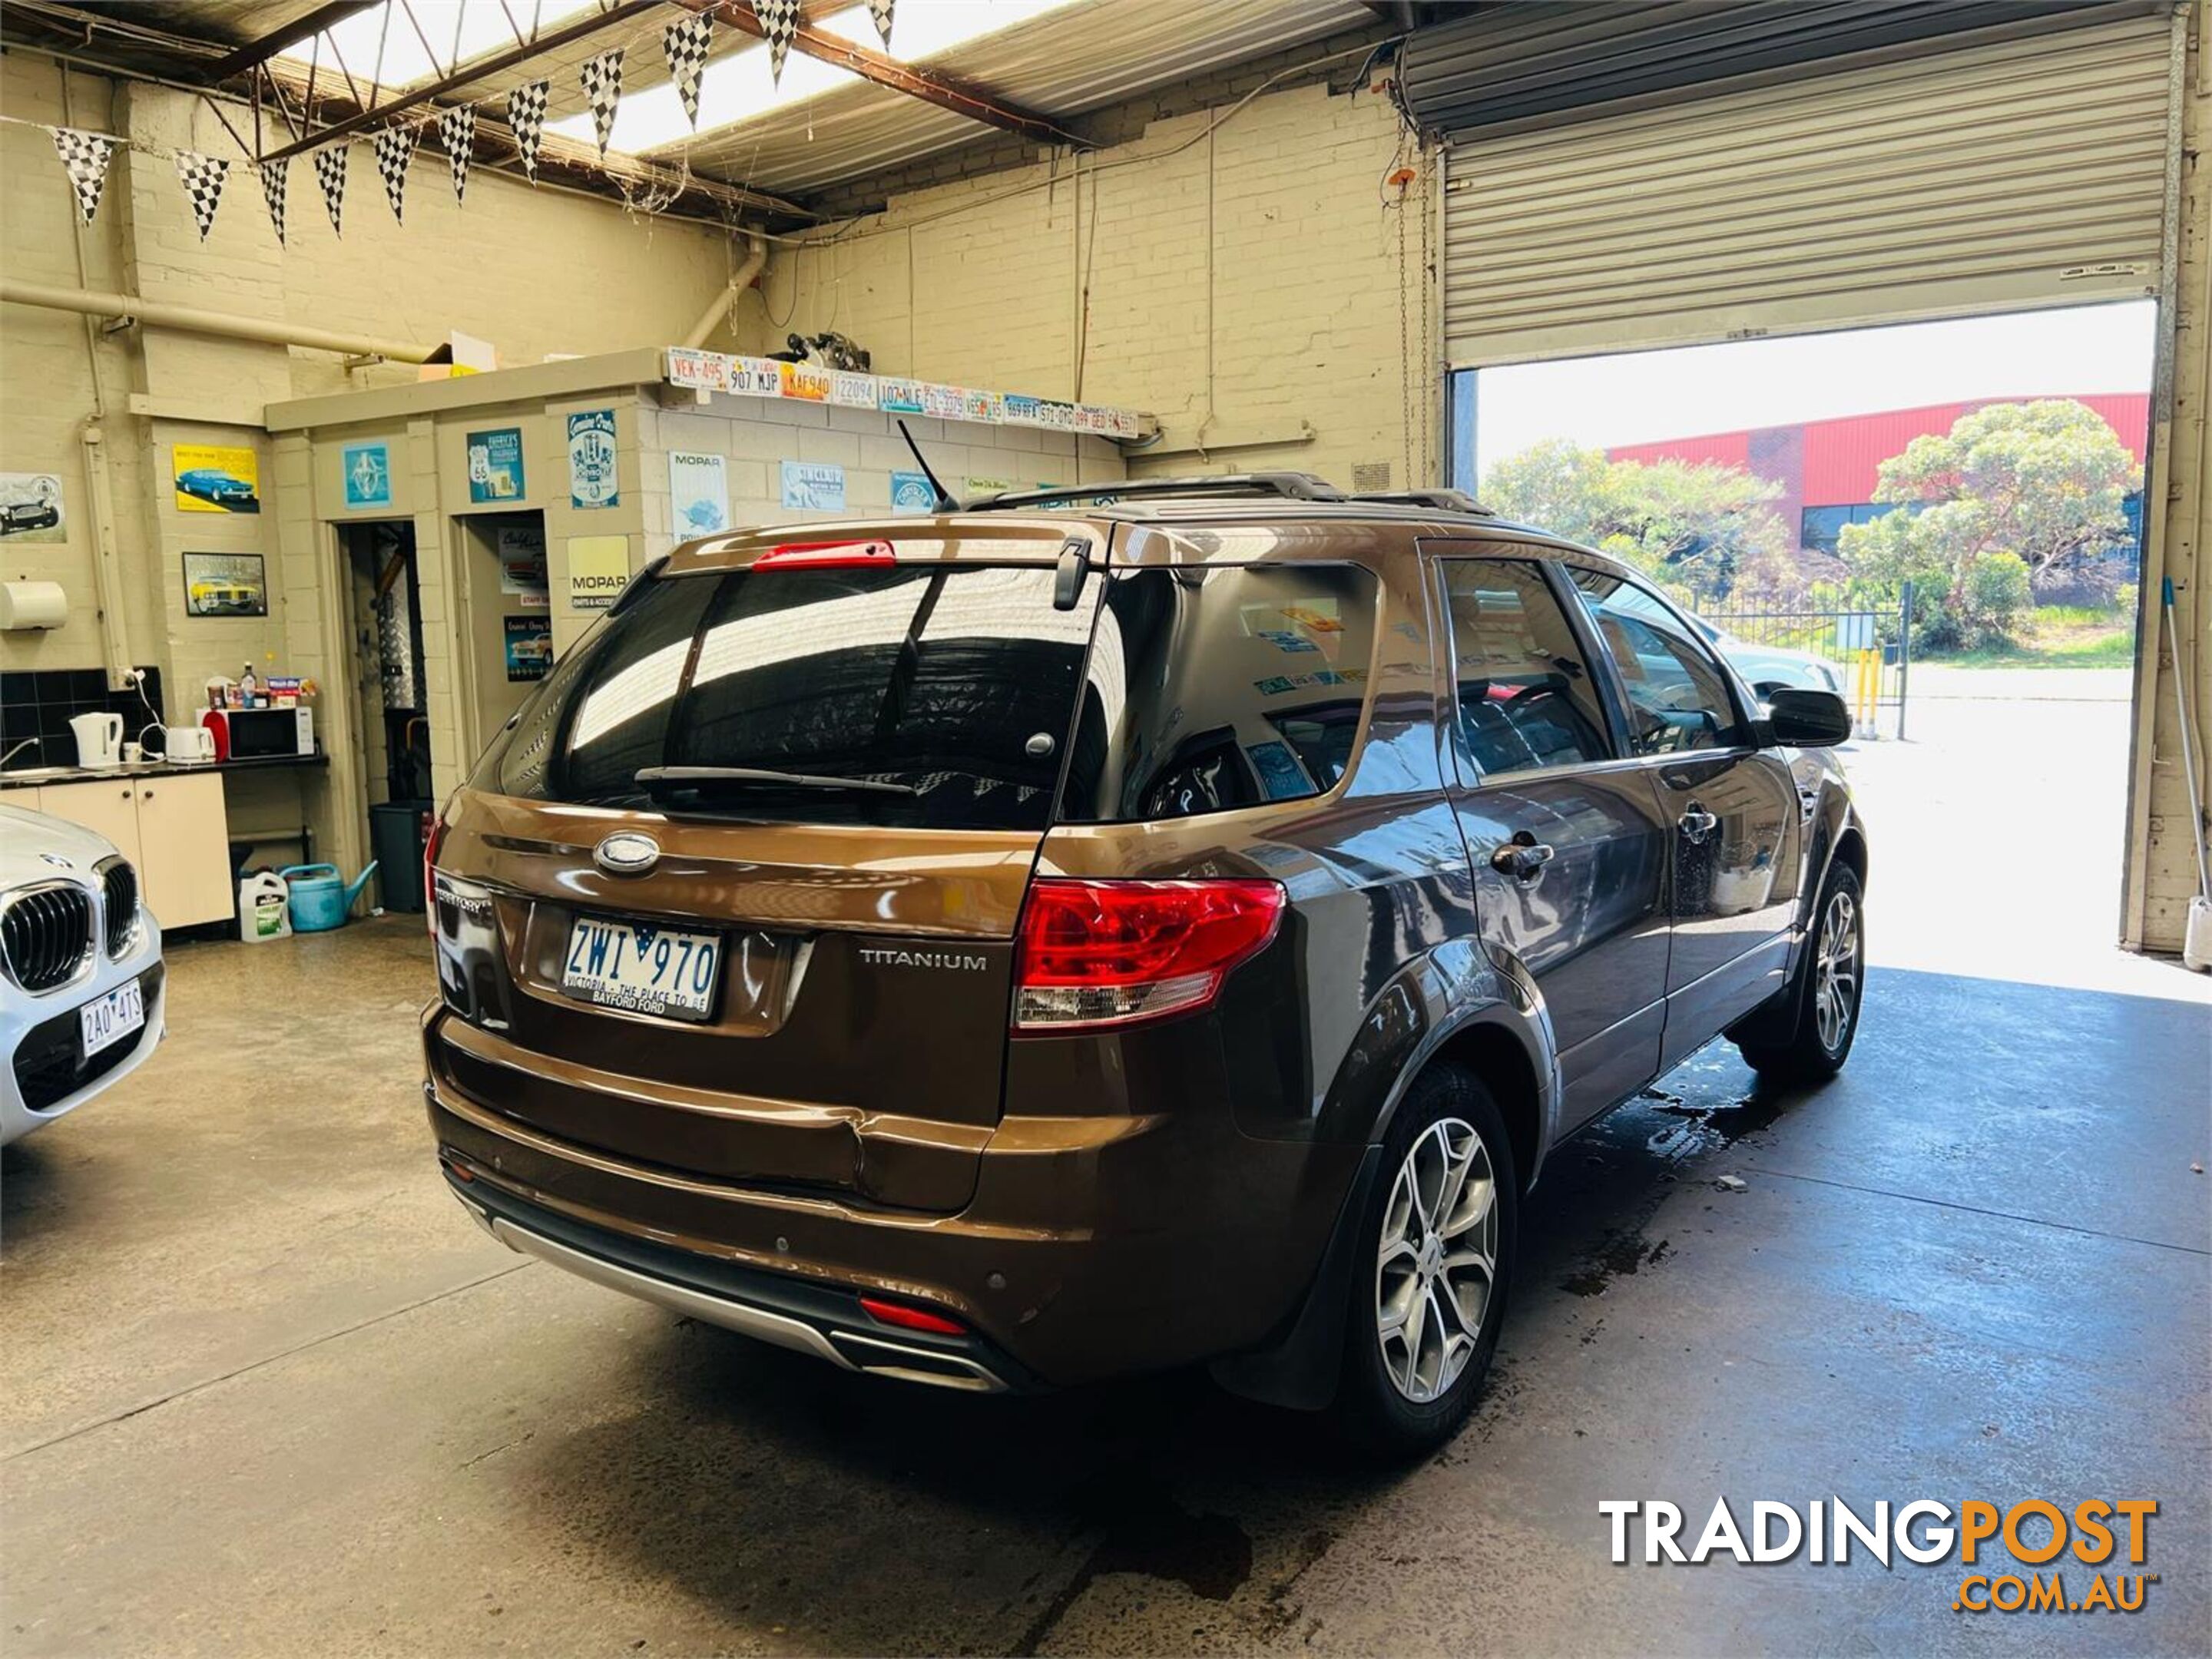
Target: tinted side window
{"points": [[1218, 686], [1526, 698], [1678, 698]]}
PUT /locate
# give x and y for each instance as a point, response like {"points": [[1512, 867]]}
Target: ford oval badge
{"points": [[626, 852]]}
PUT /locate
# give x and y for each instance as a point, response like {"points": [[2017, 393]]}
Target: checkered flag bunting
{"points": [[685, 40], [273, 180], [85, 156], [881, 11], [203, 178], [395, 147], [457, 131], [330, 174], [779, 22], [525, 114], [602, 79]]}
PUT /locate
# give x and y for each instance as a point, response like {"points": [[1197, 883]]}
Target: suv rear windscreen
{"points": [[938, 694], [943, 695]]}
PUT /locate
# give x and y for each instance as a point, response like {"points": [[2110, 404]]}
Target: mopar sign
{"points": [[598, 570]]}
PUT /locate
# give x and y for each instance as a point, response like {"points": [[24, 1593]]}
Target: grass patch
{"points": [[2061, 636]]}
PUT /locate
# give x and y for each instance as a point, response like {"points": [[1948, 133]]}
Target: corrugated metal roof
{"points": [[1082, 56]]}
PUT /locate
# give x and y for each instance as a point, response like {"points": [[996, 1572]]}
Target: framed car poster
{"points": [[225, 584], [31, 508], [214, 478], [591, 480], [495, 465]]}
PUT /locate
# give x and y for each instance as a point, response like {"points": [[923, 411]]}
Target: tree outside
{"points": [[2014, 500], [2017, 506], [1704, 528]]}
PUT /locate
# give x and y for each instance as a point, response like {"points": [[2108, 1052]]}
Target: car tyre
{"points": [[1830, 984], [1430, 1280]]}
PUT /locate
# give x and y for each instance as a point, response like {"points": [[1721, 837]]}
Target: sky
{"points": [[1639, 397]]}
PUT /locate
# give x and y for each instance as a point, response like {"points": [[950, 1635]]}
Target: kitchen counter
{"points": [[33, 777]]}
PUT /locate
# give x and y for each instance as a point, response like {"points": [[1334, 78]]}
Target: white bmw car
{"points": [[80, 985]]}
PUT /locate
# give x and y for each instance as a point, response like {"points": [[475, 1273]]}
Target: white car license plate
{"points": [[110, 1019], [641, 969]]}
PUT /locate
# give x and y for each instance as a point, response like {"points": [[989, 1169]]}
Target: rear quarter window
{"points": [[1214, 687]]}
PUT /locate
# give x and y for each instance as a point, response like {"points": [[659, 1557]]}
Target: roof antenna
{"points": [[944, 502]]}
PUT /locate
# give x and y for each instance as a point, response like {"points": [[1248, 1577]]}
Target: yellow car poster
{"points": [[214, 478]]}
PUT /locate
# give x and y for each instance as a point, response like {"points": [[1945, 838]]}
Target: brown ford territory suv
{"points": [[1086, 934]]}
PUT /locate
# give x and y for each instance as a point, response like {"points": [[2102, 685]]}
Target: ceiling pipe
{"points": [[740, 280], [193, 321]]}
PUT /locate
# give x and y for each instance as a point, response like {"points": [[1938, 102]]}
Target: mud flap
{"points": [[1300, 1372]]}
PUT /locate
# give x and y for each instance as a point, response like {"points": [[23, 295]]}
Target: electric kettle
{"points": [[99, 739]]}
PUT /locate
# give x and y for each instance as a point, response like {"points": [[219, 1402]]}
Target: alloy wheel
{"points": [[1436, 1266], [1836, 972]]}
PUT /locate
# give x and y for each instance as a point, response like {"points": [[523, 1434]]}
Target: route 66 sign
{"points": [[591, 459]]}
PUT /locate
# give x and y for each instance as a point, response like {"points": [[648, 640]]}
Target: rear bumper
{"points": [[1093, 1247], [826, 1323]]}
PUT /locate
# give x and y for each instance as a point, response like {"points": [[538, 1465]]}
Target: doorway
{"points": [[392, 733], [508, 629], [1942, 520]]}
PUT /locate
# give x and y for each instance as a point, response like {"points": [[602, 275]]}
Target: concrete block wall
{"points": [[1233, 272], [757, 435]]}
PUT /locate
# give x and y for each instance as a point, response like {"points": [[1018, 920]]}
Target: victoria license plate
{"points": [[640, 968], [109, 1019]]}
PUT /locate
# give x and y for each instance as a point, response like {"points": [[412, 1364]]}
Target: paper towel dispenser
{"points": [[32, 604]]}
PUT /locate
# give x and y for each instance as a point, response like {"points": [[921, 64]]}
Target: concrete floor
{"points": [[269, 1392]]}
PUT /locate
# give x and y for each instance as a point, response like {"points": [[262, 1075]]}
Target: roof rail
{"points": [[1288, 486], [1449, 500]]}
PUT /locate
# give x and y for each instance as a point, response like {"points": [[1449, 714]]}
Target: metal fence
{"points": [[1869, 651]]}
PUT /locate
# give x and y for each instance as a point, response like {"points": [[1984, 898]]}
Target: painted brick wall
{"points": [[1240, 281]]}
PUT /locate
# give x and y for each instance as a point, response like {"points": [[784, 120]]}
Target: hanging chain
{"points": [[1430, 365], [1405, 354]]}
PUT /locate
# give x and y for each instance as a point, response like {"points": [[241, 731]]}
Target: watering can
{"points": [[320, 897]]}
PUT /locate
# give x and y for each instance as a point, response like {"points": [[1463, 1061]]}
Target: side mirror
{"points": [[1798, 718]]}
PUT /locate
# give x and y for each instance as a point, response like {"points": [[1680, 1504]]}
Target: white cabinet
{"points": [[184, 849], [172, 828]]}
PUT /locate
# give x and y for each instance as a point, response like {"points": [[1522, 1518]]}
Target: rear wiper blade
{"points": [[679, 776]]}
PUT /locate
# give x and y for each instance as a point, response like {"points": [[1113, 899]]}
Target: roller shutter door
{"points": [[1995, 176]]}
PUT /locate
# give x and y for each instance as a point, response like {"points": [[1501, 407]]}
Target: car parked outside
{"points": [[81, 1000], [1768, 668], [1032, 946]]}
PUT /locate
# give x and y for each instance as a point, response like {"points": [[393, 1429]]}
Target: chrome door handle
{"points": [[1522, 860], [1697, 823]]}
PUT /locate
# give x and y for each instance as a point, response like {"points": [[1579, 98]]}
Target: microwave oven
{"points": [[261, 733]]}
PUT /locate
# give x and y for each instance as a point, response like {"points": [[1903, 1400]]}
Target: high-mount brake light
{"points": [[825, 556], [1112, 953]]}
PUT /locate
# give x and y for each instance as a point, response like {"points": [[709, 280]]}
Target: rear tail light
{"points": [[1112, 953], [825, 556], [430, 845]]}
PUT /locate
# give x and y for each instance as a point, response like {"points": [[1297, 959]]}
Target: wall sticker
{"points": [[598, 570], [591, 480], [529, 646], [495, 465], [698, 494], [368, 470], [817, 486]]}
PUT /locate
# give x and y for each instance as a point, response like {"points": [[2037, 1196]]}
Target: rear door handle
{"points": [[1697, 823], [1523, 858]]}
